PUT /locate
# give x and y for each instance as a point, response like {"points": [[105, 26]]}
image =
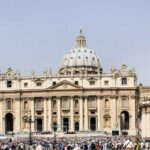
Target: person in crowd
{"points": [[128, 144], [137, 145], [147, 145], [142, 145], [39, 147]]}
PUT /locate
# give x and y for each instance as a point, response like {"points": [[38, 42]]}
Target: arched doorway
{"points": [[77, 126], [93, 123], [8, 122], [65, 124], [124, 120]]}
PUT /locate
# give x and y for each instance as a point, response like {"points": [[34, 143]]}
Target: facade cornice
{"points": [[87, 89]]}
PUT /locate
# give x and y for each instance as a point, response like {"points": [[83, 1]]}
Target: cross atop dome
{"points": [[80, 40]]}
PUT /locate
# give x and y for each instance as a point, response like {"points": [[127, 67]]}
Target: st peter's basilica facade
{"points": [[79, 98]]}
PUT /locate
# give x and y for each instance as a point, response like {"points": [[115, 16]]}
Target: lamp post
{"points": [[54, 127], [30, 121], [30, 138]]}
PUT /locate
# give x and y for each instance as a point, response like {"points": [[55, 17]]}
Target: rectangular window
{"points": [[92, 112], [124, 81], [106, 82], [76, 82], [25, 84], [38, 84], [92, 82], [54, 113], [9, 84], [54, 83]]}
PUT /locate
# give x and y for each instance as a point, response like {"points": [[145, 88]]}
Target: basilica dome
{"points": [[80, 59]]}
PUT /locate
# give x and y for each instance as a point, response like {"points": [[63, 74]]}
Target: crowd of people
{"points": [[76, 143]]}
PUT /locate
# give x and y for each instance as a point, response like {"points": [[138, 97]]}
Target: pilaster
{"points": [[99, 112], [17, 126], [132, 113], [45, 113], [86, 114], [49, 114], [1, 115], [81, 114], [59, 113], [114, 119], [72, 114], [32, 113]]}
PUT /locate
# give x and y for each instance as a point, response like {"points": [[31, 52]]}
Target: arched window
{"points": [[38, 104], [9, 104], [76, 103], [54, 103], [65, 103], [107, 103], [25, 105], [124, 102], [92, 102]]}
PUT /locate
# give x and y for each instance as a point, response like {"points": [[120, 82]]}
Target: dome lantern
{"points": [[81, 41]]}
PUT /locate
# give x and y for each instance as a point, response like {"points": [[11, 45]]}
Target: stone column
{"points": [[17, 116], [49, 114], [1, 116], [32, 114], [72, 114], [45, 113], [81, 114], [86, 114], [132, 113], [99, 112], [59, 113], [113, 103], [143, 124]]}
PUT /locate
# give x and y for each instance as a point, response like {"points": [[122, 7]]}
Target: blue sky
{"points": [[35, 34]]}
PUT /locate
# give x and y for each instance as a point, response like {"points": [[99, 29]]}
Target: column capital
{"points": [[17, 98], [45, 98], [32, 98], [77, 96], [113, 96], [99, 97], [27, 98], [85, 97], [49, 97], [71, 98]]}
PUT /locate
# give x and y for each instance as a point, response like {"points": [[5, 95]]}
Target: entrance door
{"points": [[9, 123], [39, 125], [77, 126], [124, 120], [93, 123], [65, 124]]}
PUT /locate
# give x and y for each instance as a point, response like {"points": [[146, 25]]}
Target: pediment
{"points": [[65, 85]]}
